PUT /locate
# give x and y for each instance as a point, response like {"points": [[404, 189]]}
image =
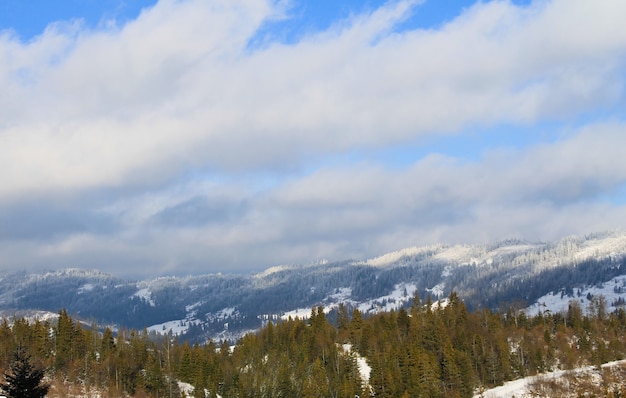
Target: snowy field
{"points": [[612, 291], [521, 388], [402, 293]]}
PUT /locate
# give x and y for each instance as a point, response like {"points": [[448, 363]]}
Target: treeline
{"points": [[484, 277], [423, 351]]}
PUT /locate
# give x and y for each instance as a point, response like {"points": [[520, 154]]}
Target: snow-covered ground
{"points": [[393, 257], [402, 293], [610, 244], [29, 315], [612, 291], [223, 314], [330, 302], [180, 326], [187, 390], [177, 327], [364, 369], [146, 295], [300, 313], [520, 388], [87, 287]]}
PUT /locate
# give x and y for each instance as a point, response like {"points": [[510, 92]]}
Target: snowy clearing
{"points": [[520, 388]]}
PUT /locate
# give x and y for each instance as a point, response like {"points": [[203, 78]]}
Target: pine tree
{"points": [[108, 342], [23, 379], [64, 335], [343, 322]]}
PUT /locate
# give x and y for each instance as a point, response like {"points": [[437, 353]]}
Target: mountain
{"points": [[221, 306]]}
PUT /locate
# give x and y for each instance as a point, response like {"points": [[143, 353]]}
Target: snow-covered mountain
{"points": [[225, 306]]}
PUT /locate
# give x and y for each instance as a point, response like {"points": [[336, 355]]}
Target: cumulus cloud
{"points": [[104, 131]]}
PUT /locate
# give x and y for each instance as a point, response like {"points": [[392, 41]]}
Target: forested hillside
{"points": [[220, 306], [425, 351]]}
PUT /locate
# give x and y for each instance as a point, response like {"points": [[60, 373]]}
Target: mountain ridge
{"points": [[212, 306]]}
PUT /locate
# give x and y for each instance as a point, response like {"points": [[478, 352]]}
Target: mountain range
{"points": [[512, 273]]}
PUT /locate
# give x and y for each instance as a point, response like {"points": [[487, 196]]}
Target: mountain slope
{"points": [[224, 306]]}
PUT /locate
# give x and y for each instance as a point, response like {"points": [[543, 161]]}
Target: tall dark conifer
{"points": [[22, 379]]}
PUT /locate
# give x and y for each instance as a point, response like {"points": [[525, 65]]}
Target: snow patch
{"points": [[437, 290], [187, 390], [146, 295], [87, 287], [402, 293], [611, 244], [223, 314], [300, 313], [457, 254], [191, 309], [614, 291], [273, 270], [365, 370], [342, 294], [330, 302], [390, 258], [31, 316], [520, 388], [177, 327]]}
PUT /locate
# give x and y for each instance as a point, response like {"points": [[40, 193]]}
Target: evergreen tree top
{"points": [[22, 379]]}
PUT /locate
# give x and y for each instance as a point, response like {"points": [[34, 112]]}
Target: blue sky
{"points": [[150, 138], [30, 19]]}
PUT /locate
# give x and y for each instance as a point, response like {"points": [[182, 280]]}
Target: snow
{"points": [[146, 295], [509, 389], [439, 304], [512, 249], [191, 309], [457, 254], [390, 258], [330, 302], [187, 390], [273, 270], [613, 243], [224, 313], [179, 327], [227, 335], [437, 290], [520, 388], [559, 303], [176, 327], [227, 312], [299, 313], [341, 295], [364, 369], [31, 316], [609, 244], [402, 293], [447, 271], [87, 287]]}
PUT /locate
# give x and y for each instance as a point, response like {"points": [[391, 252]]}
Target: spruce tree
{"points": [[22, 379]]}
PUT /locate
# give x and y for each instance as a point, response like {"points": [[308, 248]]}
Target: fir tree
{"points": [[23, 379]]}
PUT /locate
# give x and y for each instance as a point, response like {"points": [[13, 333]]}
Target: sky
{"points": [[183, 137]]}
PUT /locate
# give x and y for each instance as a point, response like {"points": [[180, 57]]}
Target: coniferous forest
{"points": [[422, 351]]}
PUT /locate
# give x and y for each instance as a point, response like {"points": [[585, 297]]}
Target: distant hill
{"points": [[222, 306]]}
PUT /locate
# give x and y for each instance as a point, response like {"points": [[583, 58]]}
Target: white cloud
{"points": [[132, 110], [539, 193], [137, 100]]}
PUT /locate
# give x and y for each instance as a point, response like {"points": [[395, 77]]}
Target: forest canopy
{"points": [[427, 350]]}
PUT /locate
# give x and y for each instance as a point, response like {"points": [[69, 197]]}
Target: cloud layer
{"points": [[181, 143]]}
